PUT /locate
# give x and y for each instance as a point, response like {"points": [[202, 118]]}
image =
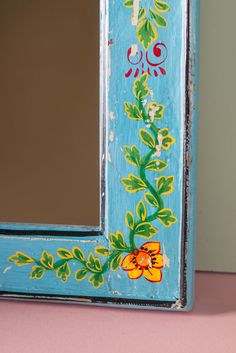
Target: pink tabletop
{"points": [[53, 328]]}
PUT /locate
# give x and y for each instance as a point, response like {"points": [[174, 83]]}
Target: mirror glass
{"points": [[49, 111]]}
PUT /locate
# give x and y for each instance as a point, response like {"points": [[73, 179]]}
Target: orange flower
{"points": [[146, 261]]}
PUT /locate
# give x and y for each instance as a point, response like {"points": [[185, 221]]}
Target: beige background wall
{"points": [[216, 242]]}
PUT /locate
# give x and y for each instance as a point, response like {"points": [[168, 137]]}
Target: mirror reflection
{"points": [[49, 112]]}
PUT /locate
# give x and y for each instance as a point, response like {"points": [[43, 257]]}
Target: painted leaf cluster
{"points": [[149, 21], [150, 213]]}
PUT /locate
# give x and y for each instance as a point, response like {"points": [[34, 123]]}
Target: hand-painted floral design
{"points": [[123, 250], [147, 21], [151, 62], [146, 261]]}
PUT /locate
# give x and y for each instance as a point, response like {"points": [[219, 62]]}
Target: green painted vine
{"points": [[149, 20], [123, 251]]}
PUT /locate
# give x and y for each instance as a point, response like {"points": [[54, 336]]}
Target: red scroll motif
{"points": [[149, 62]]}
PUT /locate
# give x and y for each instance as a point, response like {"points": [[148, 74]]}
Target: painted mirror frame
{"points": [[142, 255]]}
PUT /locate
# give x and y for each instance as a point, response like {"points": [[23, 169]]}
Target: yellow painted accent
{"points": [[153, 38], [151, 104], [153, 274], [68, 256], [171, 222], [157, 24], [18, 253], [143, 78], [50, 256], [164, 3], [171, 185], [153, 144], [144, 209], [98, 253]]}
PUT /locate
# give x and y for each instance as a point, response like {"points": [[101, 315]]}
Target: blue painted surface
{"points": [[168, 90]]}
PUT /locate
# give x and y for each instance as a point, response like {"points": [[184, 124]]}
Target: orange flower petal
{"points": [[153, 247], [127, 264], [135, 274], [153, 274], [157, 261]]}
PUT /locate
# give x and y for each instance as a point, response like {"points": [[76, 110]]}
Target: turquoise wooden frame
{"points": [[142, 255]]}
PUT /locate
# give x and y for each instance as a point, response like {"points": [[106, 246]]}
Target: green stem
{"points": [[142, 175], [153, 191], [105, 266]]}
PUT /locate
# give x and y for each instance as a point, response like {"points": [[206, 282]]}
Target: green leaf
{"points": [[93, 263], [133, 112], [165, 185], [132, 155], [129, 4], [155, 111], [116, 261], [81, 274], [146, 33], [47, 260], [166, 217], [129, 220], [142, 13], [145, 230], [117, 241], [159, 20], [156, 165], [101, 250], [37, 272], [161, 6], [151, 200], [140, 88], [78, 253], [147, 138], [141, 210], [96, 280], [64, 254], [20, 259], [133, 183], [167, 139], [63, 272]]}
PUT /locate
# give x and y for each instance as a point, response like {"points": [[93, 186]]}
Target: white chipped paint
{"points": [[166, 261], [111, 136], [177, 305], [160, 139], [6, 269], [116, 292], [135, 13], [158, 151], [152, 111], [144, 102], [109, 157], [134, 49], [109, 60], [159, 146], [51, 239], [151, 94], [112, 116]]}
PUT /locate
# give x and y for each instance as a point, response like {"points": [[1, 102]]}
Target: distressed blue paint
{"points": [[168, 90]]}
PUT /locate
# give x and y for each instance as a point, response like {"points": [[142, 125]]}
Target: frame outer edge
{"points": [[191, 154]]}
